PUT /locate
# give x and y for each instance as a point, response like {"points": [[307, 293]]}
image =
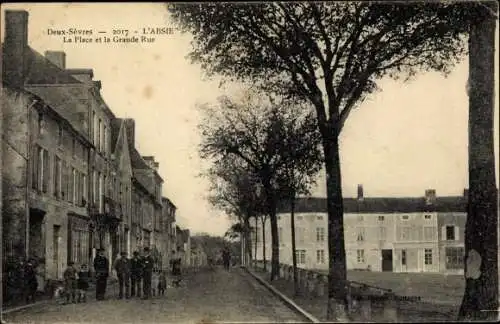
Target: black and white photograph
{"points": [[250, 162]]}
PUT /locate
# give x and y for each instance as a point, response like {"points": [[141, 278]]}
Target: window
{"points": [[320, 234], [361, 234], [320, 256], [94, 138], [360, 218], [100, 193], [301, 256], [405, 217], [403, 257], [300, 231], [105, 138], [40, 124], [95, 190], [99, 126], [382, 233], [59, 135], [429, 233], [280, 235], [43, 170], [34, 166], [381, 218], [450, 233], [427, 216], [76, 187], [428, 256], [84, 189], [360, 255], [404, 233], [101, 135], [454, 257], [71, 191], [319, 218], [299, 217], [57, 177]]}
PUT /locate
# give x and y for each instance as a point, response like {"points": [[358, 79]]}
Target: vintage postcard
{"points": [[256, 162]]}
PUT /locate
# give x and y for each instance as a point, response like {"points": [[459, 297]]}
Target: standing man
{"points": [[147, 272], [136, 274], [101, 268], [122, 268]]}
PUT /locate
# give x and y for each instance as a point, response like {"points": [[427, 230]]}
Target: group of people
{"points": [[19, 279], [131, 273]]}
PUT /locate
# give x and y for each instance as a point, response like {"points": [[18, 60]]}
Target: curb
{"points": [[290, 303], [21, 307]]}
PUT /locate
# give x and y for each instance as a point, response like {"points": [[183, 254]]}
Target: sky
{"points": [[405, 139]]}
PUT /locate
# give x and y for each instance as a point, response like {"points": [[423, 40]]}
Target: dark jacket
{"points": [[122, 266], [148, 264], [136, 267], [83, 279], [101, 266]]}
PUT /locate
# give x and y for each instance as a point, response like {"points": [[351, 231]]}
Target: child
{"points": [[70, 277], [154, 283], [83, 283], [162, 283]]}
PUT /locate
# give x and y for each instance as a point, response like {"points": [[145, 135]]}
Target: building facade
{"points": [[421, 234], [72, 179]]}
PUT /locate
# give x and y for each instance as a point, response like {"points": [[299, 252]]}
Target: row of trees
{"points": [[330, 55], [266, 151]]}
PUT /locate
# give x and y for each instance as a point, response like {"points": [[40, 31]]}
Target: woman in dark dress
{"points": [[175, 263]]}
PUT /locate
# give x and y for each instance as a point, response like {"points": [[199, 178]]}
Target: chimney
{"points": [[130, 128], [156, 166], [97, 85], [15, 47], [360, 192], [430, 196], [57, 57]]}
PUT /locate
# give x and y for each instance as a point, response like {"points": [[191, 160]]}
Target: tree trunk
{"points": [[480, 301], [337, 301], [294, 250], [271, 209], [248, 241], [264, 242], [255, 253]]}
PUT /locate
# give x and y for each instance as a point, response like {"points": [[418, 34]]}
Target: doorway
{"points": [[56, 234], [387, 260], [36, 239]]}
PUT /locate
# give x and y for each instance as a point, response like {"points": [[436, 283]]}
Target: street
{"points": [[207, 296]]}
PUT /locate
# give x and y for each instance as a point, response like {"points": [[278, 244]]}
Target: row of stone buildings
{"points": [[411, 234], [72, 178]]}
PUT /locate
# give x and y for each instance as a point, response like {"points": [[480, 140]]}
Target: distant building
{"points": [[420, 234]]}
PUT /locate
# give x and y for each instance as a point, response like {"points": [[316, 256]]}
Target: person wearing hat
{"points": [[135, 274], [147, 272], [122, 268], [101, 268]]}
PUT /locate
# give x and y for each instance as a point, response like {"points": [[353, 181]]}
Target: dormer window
{"points": [[427, 216], [405, 217], [41, 124]]}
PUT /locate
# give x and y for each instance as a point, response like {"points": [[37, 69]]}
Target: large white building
{"points": [[419, 234]]}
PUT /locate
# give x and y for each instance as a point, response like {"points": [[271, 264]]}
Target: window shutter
{"points": [[457, 233], [443, 233]]}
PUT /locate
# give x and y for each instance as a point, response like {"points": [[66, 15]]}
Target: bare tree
{"points": [[329, 54]]}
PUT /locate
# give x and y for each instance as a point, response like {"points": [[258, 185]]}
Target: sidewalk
{"points": [[407, 311], [46, 299]]}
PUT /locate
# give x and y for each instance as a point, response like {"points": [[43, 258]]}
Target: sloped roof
{"points": [[380, 205], [40, 70]]}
